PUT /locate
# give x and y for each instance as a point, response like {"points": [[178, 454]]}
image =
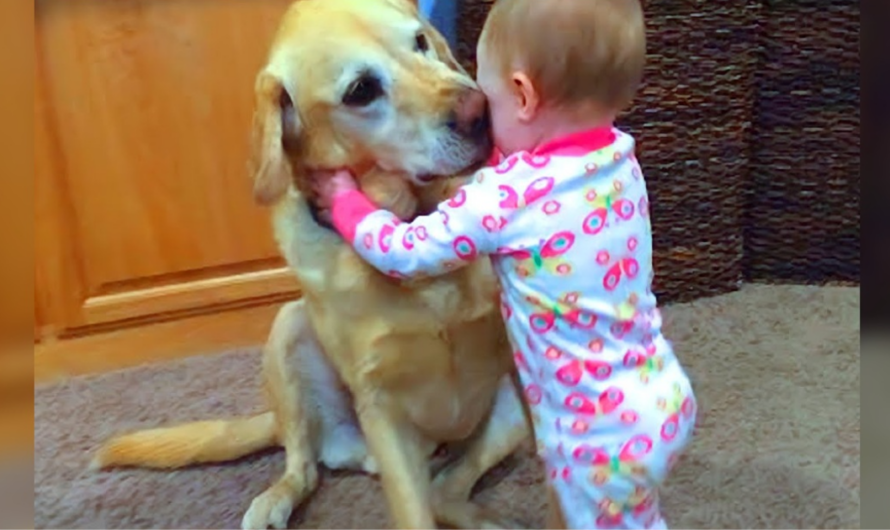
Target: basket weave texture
{"points": [[729, 159], [802, 214]]}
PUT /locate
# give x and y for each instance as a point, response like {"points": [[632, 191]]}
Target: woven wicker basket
{"points": [[802, 216], [692, 122], [748, 132]]}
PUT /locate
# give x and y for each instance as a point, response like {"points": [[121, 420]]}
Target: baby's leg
{"points": [[607, 506], [609, 477], [641, 510], [614, 485]]}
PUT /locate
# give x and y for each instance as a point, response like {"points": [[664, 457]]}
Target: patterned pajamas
{"points": [[567, 229]]}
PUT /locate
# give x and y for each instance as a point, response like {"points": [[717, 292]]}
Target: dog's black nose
{"points": [[481, 126], [470, 116]]}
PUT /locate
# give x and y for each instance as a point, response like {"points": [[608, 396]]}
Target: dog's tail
{"points": [[200, 442]]}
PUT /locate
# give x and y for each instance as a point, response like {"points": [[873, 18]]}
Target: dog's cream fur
{"points": [[365, 372]]}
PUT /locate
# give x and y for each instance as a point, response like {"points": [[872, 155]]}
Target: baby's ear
{"points": [[529, 101]]}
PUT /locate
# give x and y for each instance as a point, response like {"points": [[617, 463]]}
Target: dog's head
{"points": [[359, 84]]}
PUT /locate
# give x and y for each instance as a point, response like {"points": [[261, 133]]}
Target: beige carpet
{"points": [[776, 369]]}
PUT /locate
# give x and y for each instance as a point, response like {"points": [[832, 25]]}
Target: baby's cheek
{"points": [[506, 130], [501, 136]]}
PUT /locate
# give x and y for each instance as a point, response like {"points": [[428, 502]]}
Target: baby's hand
{"points": [[327, 185]]}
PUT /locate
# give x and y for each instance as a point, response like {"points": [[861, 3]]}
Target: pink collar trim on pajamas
{"points": [[579, 143], [496, 158], [576, 144]]}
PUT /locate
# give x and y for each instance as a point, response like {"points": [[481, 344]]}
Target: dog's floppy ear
{"points": [[276, 125], [401, 3], [443, 50]]}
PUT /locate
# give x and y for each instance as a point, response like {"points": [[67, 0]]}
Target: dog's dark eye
{"points": [[363, 91], [421, 45]]}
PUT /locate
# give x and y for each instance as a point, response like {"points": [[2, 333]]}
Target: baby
{"points": [[563, 214]]}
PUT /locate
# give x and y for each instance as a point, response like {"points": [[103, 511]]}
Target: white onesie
{"points": [[567, 229]]}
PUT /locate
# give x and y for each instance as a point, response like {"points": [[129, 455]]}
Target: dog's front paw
{"points": [[272, 509]]}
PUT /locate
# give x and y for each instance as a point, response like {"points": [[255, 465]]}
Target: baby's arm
{"points": [[452, 236]]}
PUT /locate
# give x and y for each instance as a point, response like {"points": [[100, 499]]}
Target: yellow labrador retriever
{"points": [[365, 372]]}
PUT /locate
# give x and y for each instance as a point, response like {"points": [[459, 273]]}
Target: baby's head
{"points": [[545, 61]]}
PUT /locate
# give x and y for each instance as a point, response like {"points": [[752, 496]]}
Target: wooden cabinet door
{"points": [[144, 206]]}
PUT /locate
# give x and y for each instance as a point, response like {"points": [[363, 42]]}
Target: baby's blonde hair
{"points": [[574, 51]]}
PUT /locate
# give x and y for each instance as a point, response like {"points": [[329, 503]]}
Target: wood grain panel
{"points": [[208, 293], [165, 341], [59, 290], [143, 110]]}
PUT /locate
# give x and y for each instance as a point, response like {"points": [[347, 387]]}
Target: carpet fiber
{"points": [[776, 369]]}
